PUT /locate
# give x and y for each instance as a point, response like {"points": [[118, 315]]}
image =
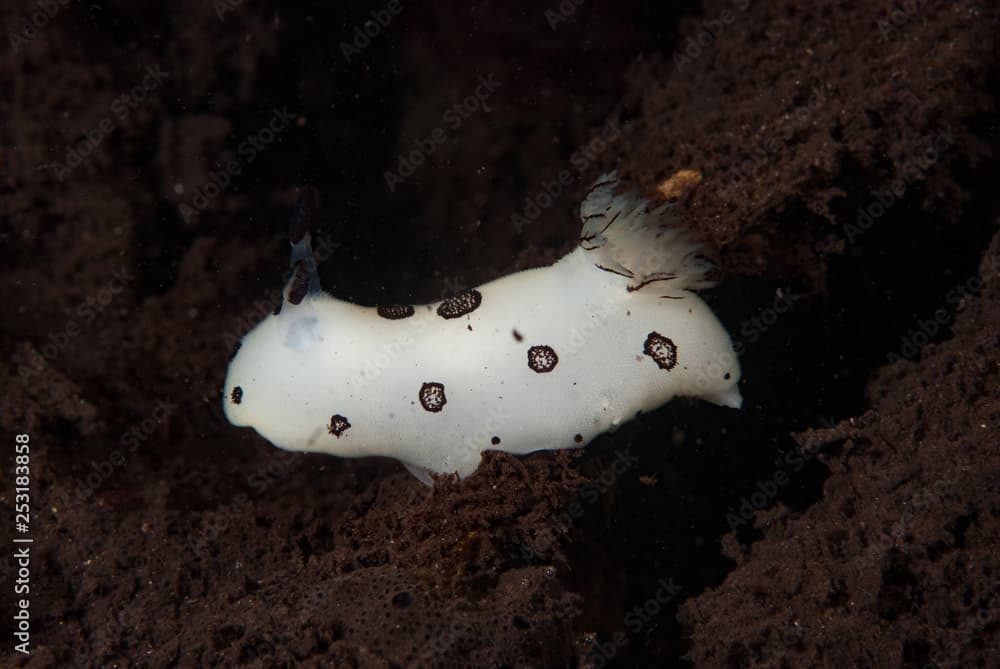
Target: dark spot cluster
{"points": [[459, 305], [338, 425], [402, 600], [237, 395], [542, 359], [432, 397], [394, 312], [661, 349]]}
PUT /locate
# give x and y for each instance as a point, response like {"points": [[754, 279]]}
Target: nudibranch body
{"points": [[546, 358]]}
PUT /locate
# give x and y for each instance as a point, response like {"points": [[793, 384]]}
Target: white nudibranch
{"points": [[546, 358]]}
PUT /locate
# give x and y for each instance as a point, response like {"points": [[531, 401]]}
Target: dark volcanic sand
{"points": [[847, 516]]}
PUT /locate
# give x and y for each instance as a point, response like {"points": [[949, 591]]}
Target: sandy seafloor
{"points": [[847, 516]]}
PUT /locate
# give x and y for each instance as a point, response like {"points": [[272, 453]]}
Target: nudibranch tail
{"points": [[304, 279], [730, 397], [641, 244]]}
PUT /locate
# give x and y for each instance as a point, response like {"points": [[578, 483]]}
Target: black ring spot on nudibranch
{"points": [[495, 440], [338, 425], [661, 349], [236, 349], [464, 303], [237, 395], [432, 397], [578, 438], [517, 335], [394, 312], [542, 359]]}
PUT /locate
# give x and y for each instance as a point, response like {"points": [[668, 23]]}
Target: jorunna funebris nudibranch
{"points": [[545, 358]]}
